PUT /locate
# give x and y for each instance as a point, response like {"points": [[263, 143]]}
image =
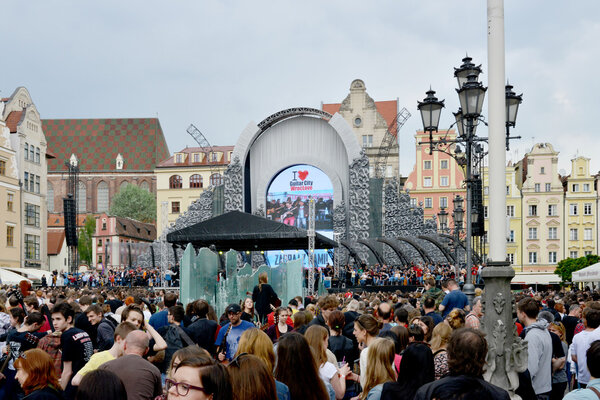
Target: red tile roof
{"points": [[135, 229], [58, 220], [55, 241], [388, 109], [13, 119], [170, 162], [96, 143]]}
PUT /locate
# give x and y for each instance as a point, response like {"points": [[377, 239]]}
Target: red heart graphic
{"points": [[302, 175]]}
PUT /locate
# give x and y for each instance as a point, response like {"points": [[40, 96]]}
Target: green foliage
{"points": [[84, 240], [135, 203], [567, 266]]}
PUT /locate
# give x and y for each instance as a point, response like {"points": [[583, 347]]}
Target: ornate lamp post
{"points": [[443, 218], [457, 216]]}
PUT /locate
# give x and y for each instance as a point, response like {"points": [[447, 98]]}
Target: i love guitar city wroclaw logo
{"points": [[299, 181]]}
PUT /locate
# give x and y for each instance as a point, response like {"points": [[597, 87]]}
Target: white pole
{"points": [[496, 131]]}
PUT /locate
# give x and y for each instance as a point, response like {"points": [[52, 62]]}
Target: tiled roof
{"points": [[58, 220], [135, 229], [97, 142], [388, 109], [170, 162], [55, 241], [13, 119]]}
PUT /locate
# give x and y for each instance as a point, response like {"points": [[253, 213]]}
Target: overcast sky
{"points": [[222, 64]]}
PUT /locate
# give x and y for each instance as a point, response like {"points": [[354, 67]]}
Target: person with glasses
{"points": [[199, 379], [229, 335], [281, 326]]}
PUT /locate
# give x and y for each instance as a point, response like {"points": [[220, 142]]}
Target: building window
{"points": [[31, 153], [548, 187], [428, 202], [587, 253], [443, 202], [175, 207], [507, 190], [10, 236], [573, 209], [50, 197], [427, 181], [196, 181], [26, 152], [587, 209], [99, 242], [2, 167], [444, 164], [216, 179], [586, 187], [542, 170], [99, 258], [575, 187], [511, 237], [103, 226], [573, 234], [37, 184], [552, 210], [367, 140], [537, 187], [552, 257], [26, 181], [587, 234], [511, 258], [10, 201], [444, 181], [486, 190], [145, 185], [532, 233], [532, 257], [574, 254], [485, 212], [196, 157], [533, 210], [102, 197], [510, 211], [427, 164], [552, 233], [32, 247], [81, 198], [37, 155], [413, 202], [214, 157], [175, 182], [178, 158], [32, 215]]}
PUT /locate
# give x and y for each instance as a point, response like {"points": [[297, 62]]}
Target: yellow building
{"points": [[10, 201], [580, 231], [184, 176]]}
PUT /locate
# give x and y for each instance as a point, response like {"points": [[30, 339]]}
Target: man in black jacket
{"points": [[202, 331], [467, 350]]}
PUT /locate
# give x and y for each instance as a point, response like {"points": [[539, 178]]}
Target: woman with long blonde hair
{"points": [[318, 339], [379, 368], [439, 341]]}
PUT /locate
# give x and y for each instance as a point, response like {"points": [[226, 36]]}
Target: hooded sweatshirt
{"points": [[539, 351]]}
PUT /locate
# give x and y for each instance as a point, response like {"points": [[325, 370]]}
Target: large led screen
{"points": [[287, 202]]}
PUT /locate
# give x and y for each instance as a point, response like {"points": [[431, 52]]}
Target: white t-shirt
{"points": [[327, 371], [579, 347]]}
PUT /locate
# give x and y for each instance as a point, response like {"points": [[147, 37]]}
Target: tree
{"points": [[84, 240], [566, 267], [135, 203]]}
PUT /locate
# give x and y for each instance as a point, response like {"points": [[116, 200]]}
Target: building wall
{"points": [[60, 261], [428, 168], [10, 214]]}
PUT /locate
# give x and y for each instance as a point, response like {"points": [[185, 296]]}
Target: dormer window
{"points": [[119, 161], [196, 157], [214, 157], [179, 158]]}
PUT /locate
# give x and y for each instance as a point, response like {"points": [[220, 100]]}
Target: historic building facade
{"points": [[436, 177], [369, 120], [110, 152], [10, 200], [29, 142], [181, 179]]}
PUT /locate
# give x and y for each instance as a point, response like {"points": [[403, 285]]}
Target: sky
{"points": [[223, 64]]}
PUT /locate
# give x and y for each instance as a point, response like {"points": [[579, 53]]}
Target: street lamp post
{"points": [[443, 218], [457, 216], [471, 94]]}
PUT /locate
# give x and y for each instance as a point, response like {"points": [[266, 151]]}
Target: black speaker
{"points": [[70, 221]]}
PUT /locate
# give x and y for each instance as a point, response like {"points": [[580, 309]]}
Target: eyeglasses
{"points": [[182, 388]]}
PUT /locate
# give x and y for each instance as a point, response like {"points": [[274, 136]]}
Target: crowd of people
{"points": [[114, 277], [132, 343]]}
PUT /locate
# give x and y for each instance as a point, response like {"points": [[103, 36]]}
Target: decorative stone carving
{"points": [[340, 227], [499, 302], [234, 186], [358, 199], [260, 211], [290, 112]]}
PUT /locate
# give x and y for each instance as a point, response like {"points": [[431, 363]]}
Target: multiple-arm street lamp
{"points": [[471, 94]]}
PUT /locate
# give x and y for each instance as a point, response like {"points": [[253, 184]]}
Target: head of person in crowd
{"points": [[353, 306], [401, 316], [185, 353], [35, 371], [456, 318], [294, 356], [176, 314], [402, 335], [326, 305], [137, 343], [293, 304], [415, 333], [234, 314], [416, 369], [428, 322], [62, 316], [248, 306], [591, 318], [527, 310], [170, 299], [34, 321], [440, 337], [256, 342], [251, 378], [121, 332], [467, 350], [547, 316], [559, 330], [134, 315], [366, 328], [384, 312], [445, 286], [575, 311], [452, 285], [429, 304], [593, 359], [17, 317], [31, 303], [199, 379], [477, 308], [390, 335], [380, 363], [201, 308], [299, 320], [336, 322], [317, 338], [101, 384], [281, 315], [311, 309], [85, 301], [95, 314]]}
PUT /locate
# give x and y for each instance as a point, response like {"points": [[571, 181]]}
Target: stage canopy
{"points": [[246, 232]]}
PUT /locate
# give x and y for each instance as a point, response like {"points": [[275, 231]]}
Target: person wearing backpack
{"points": [[175, 336], [105, 327]]}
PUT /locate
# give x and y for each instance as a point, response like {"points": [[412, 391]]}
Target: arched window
{"points": [[196, 181], [81, 198], [145, 185], [50, 197], [216, 179], [102, 197], [123, 185], [175, 182]]}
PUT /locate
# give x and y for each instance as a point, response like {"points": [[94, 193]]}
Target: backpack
{"points": [[51, 345]]}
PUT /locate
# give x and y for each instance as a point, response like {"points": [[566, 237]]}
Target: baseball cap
{"points": [[233, 308]]}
